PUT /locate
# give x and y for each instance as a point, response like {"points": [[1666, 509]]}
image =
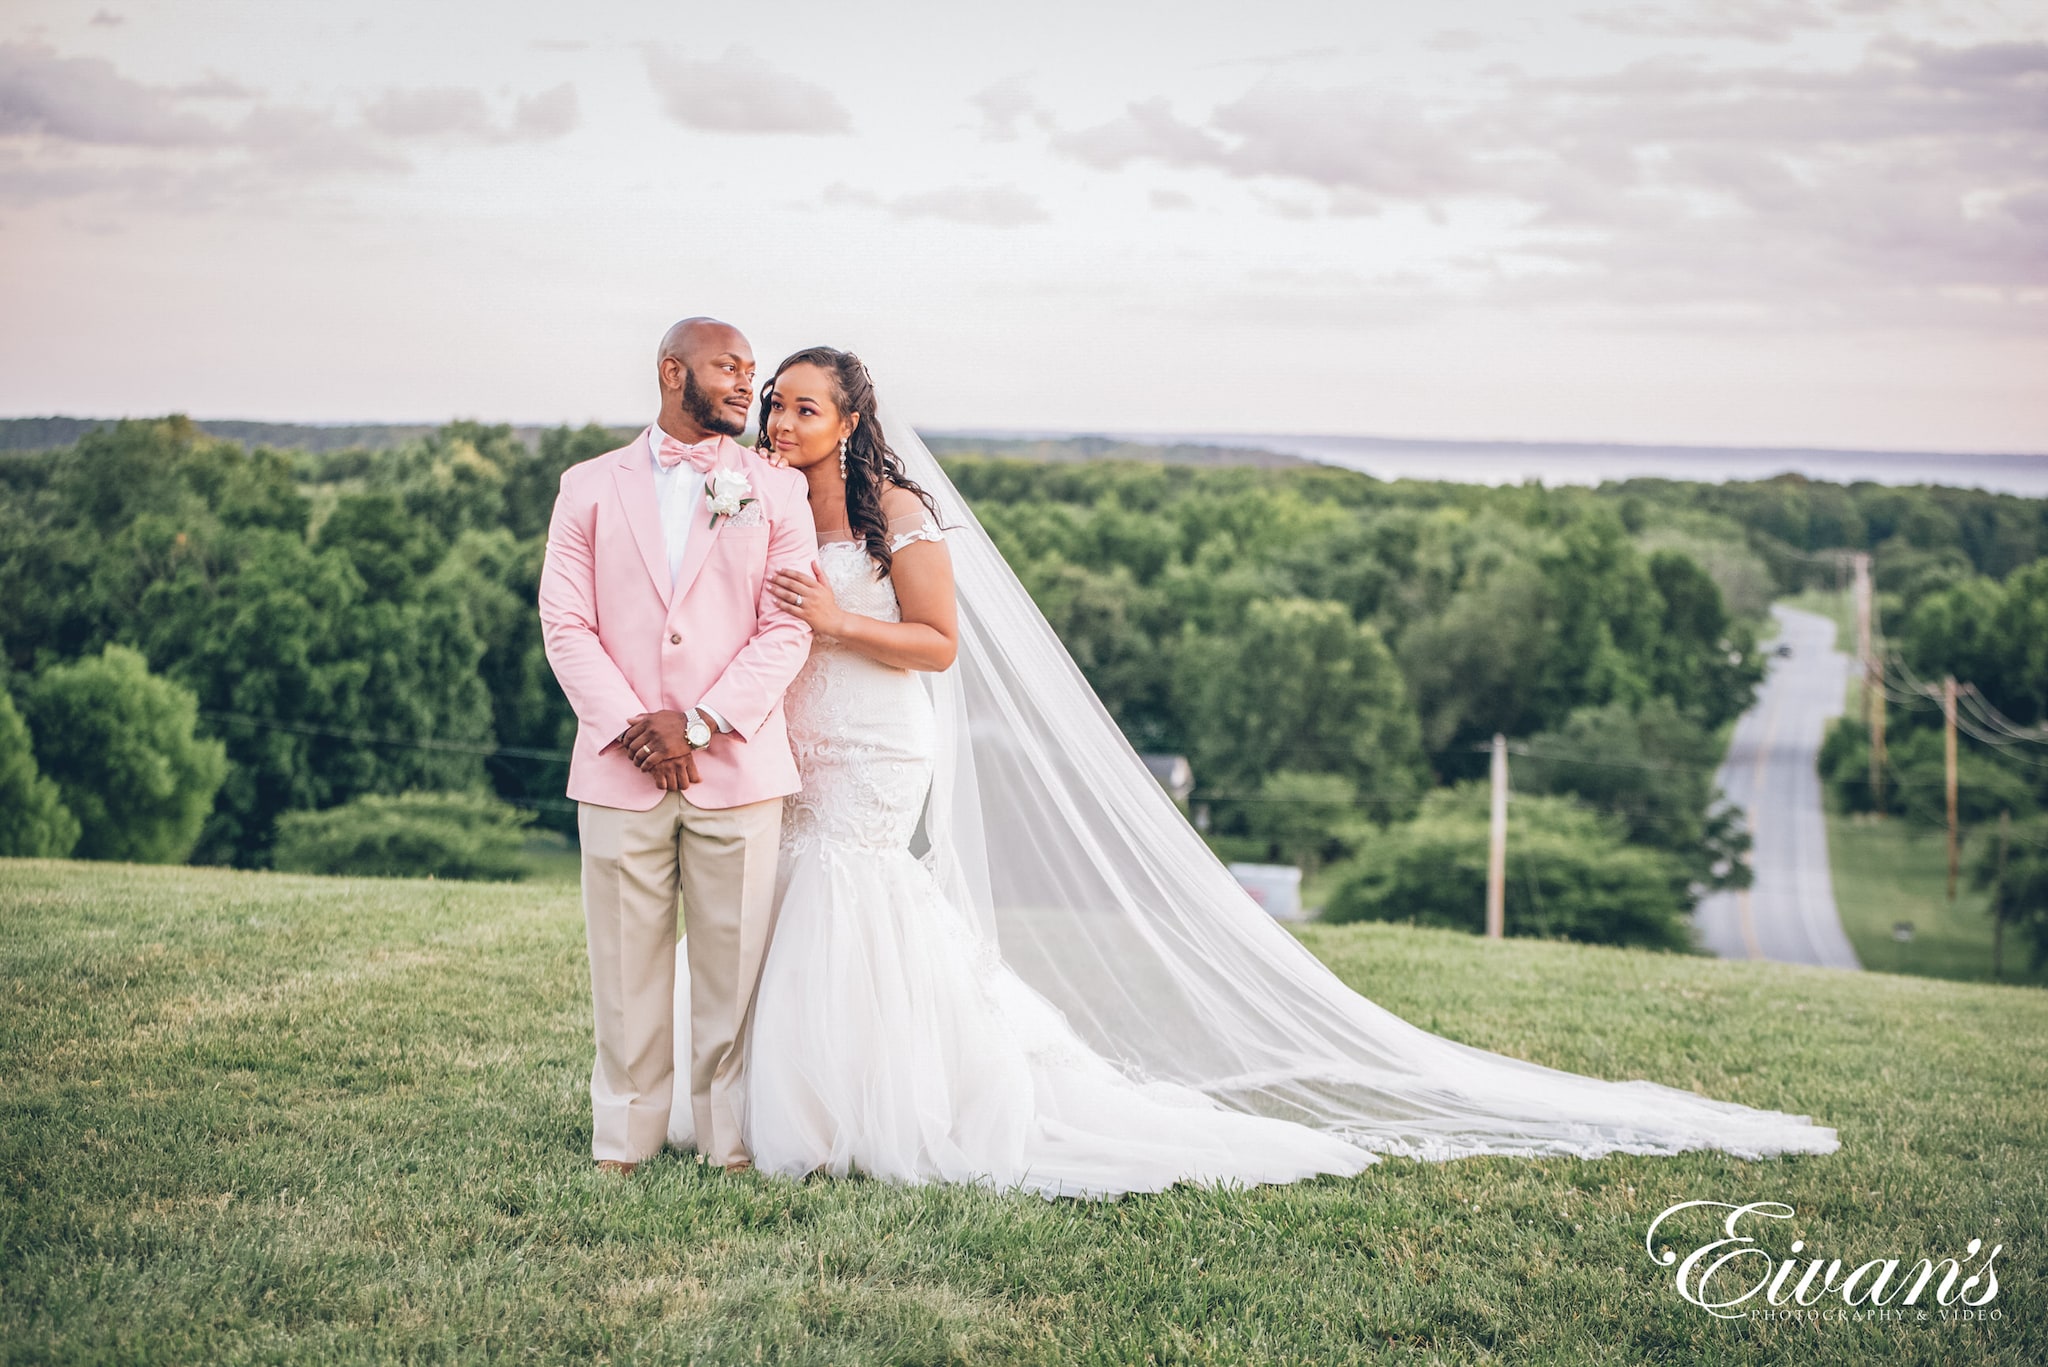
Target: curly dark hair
{"points": [[871, 466]]}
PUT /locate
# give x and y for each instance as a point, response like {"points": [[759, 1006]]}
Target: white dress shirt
{"points": [[679, 491], [679, 494]]}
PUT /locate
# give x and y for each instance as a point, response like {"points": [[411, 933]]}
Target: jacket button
{"points": [[675, 638]]}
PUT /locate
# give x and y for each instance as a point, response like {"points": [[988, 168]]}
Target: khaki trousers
{"points": [[635, 864]]}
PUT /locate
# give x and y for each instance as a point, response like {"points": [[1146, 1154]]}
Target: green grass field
{"points": [[1891, 871], [553, 858], [264, 1118]]}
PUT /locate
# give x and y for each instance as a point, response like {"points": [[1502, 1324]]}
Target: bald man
{"points": [[661, 630]]}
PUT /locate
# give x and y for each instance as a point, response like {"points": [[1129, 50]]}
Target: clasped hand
{"points": [[659, 743]]}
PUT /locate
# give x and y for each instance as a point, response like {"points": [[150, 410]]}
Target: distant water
{"points": [[1468, 462], [1510, 462]]}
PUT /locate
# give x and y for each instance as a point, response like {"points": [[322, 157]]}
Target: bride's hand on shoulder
{"points": [[808, 597]]}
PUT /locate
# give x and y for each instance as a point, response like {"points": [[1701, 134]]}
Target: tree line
{"points": [[1329, 650]]}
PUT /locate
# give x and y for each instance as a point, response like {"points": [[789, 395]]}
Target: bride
{"points": [[1001, 956]]}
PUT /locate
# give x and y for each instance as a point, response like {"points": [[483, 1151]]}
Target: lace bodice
{"points": [[901, 530], [862, 731], [851, 570]]}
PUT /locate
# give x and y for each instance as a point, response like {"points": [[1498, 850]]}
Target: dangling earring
{"points": [[842, 458]]}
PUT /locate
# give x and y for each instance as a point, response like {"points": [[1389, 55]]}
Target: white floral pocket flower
{"points": [[726, 492]]}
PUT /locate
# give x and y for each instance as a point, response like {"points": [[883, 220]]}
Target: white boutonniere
{"points": [[726, 492]]}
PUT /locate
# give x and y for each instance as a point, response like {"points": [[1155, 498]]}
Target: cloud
{"points": [[297, 143], [77, 128], [85, 100], [106, 19], [1171, 200], [1353, 139], [1388, 147], [1918, 172], [1278, 59], [1147, 129], [429, 113], [999, 206], [1756, 21], [459, 112], [214, 86], [983, 206], [1003, 104], [549, 114], [736, 94], [1455, 40]]}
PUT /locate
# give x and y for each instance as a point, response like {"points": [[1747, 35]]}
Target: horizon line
{"points": [[1243, 440]]}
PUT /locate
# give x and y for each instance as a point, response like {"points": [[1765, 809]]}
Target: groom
{"points": [[660, 629]]}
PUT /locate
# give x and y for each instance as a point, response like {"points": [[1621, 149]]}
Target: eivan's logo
{"points": [[1717, 1276]]}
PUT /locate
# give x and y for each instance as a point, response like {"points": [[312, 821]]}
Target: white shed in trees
{"points": [[1276, 887]]}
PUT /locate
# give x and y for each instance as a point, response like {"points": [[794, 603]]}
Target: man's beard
{"points": [[706, 414]]}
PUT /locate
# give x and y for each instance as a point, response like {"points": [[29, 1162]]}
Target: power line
{"points": [[1891, 658], [1923, 697], [553, 804], [372, 738], [1969, 729], [1916, 701], [1522, 748], [1998, 721]]}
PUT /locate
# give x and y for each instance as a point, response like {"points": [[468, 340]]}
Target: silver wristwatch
{"points": [[698, 732]]}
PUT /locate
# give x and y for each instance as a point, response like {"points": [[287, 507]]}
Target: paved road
{"points": [[1772, 770]]}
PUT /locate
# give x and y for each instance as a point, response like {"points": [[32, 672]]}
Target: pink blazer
{"points": [[622, 640]]}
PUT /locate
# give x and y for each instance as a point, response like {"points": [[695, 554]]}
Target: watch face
{"points": [[699, 732]]}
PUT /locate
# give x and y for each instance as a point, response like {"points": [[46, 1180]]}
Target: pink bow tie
{"points": [[671, 453]]}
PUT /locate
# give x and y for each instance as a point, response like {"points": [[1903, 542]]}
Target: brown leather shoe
{"points": [[619, 1166], [740, 1165]]}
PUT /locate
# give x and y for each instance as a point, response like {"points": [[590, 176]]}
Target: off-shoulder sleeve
{"points": [[929, 531], [913, 525]]}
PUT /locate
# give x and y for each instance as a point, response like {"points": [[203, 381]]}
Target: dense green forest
{"points": [[290, 632]]}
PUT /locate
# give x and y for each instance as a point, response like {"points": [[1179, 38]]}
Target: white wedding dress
{"points": [[1002, 955], [889, 1038]]}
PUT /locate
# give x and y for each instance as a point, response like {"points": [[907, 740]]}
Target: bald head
{"points": [[706, 371], [694, 335]]}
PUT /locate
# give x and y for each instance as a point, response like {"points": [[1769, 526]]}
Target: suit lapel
{"points": [[634, 474], [698, 548]]}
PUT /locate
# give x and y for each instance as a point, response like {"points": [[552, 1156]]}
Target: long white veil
{"points": [[1049, 833]]}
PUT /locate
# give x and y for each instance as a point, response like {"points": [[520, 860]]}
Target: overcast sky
{"points": [[1719, 221]]}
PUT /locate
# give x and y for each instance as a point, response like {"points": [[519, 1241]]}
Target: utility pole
{"points": [[1873, 680], [1948, 726], [1862, 562], [1998, 898], [1497, 851]]}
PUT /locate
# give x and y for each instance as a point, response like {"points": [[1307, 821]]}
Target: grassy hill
{"points": [[251, 1117]]}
